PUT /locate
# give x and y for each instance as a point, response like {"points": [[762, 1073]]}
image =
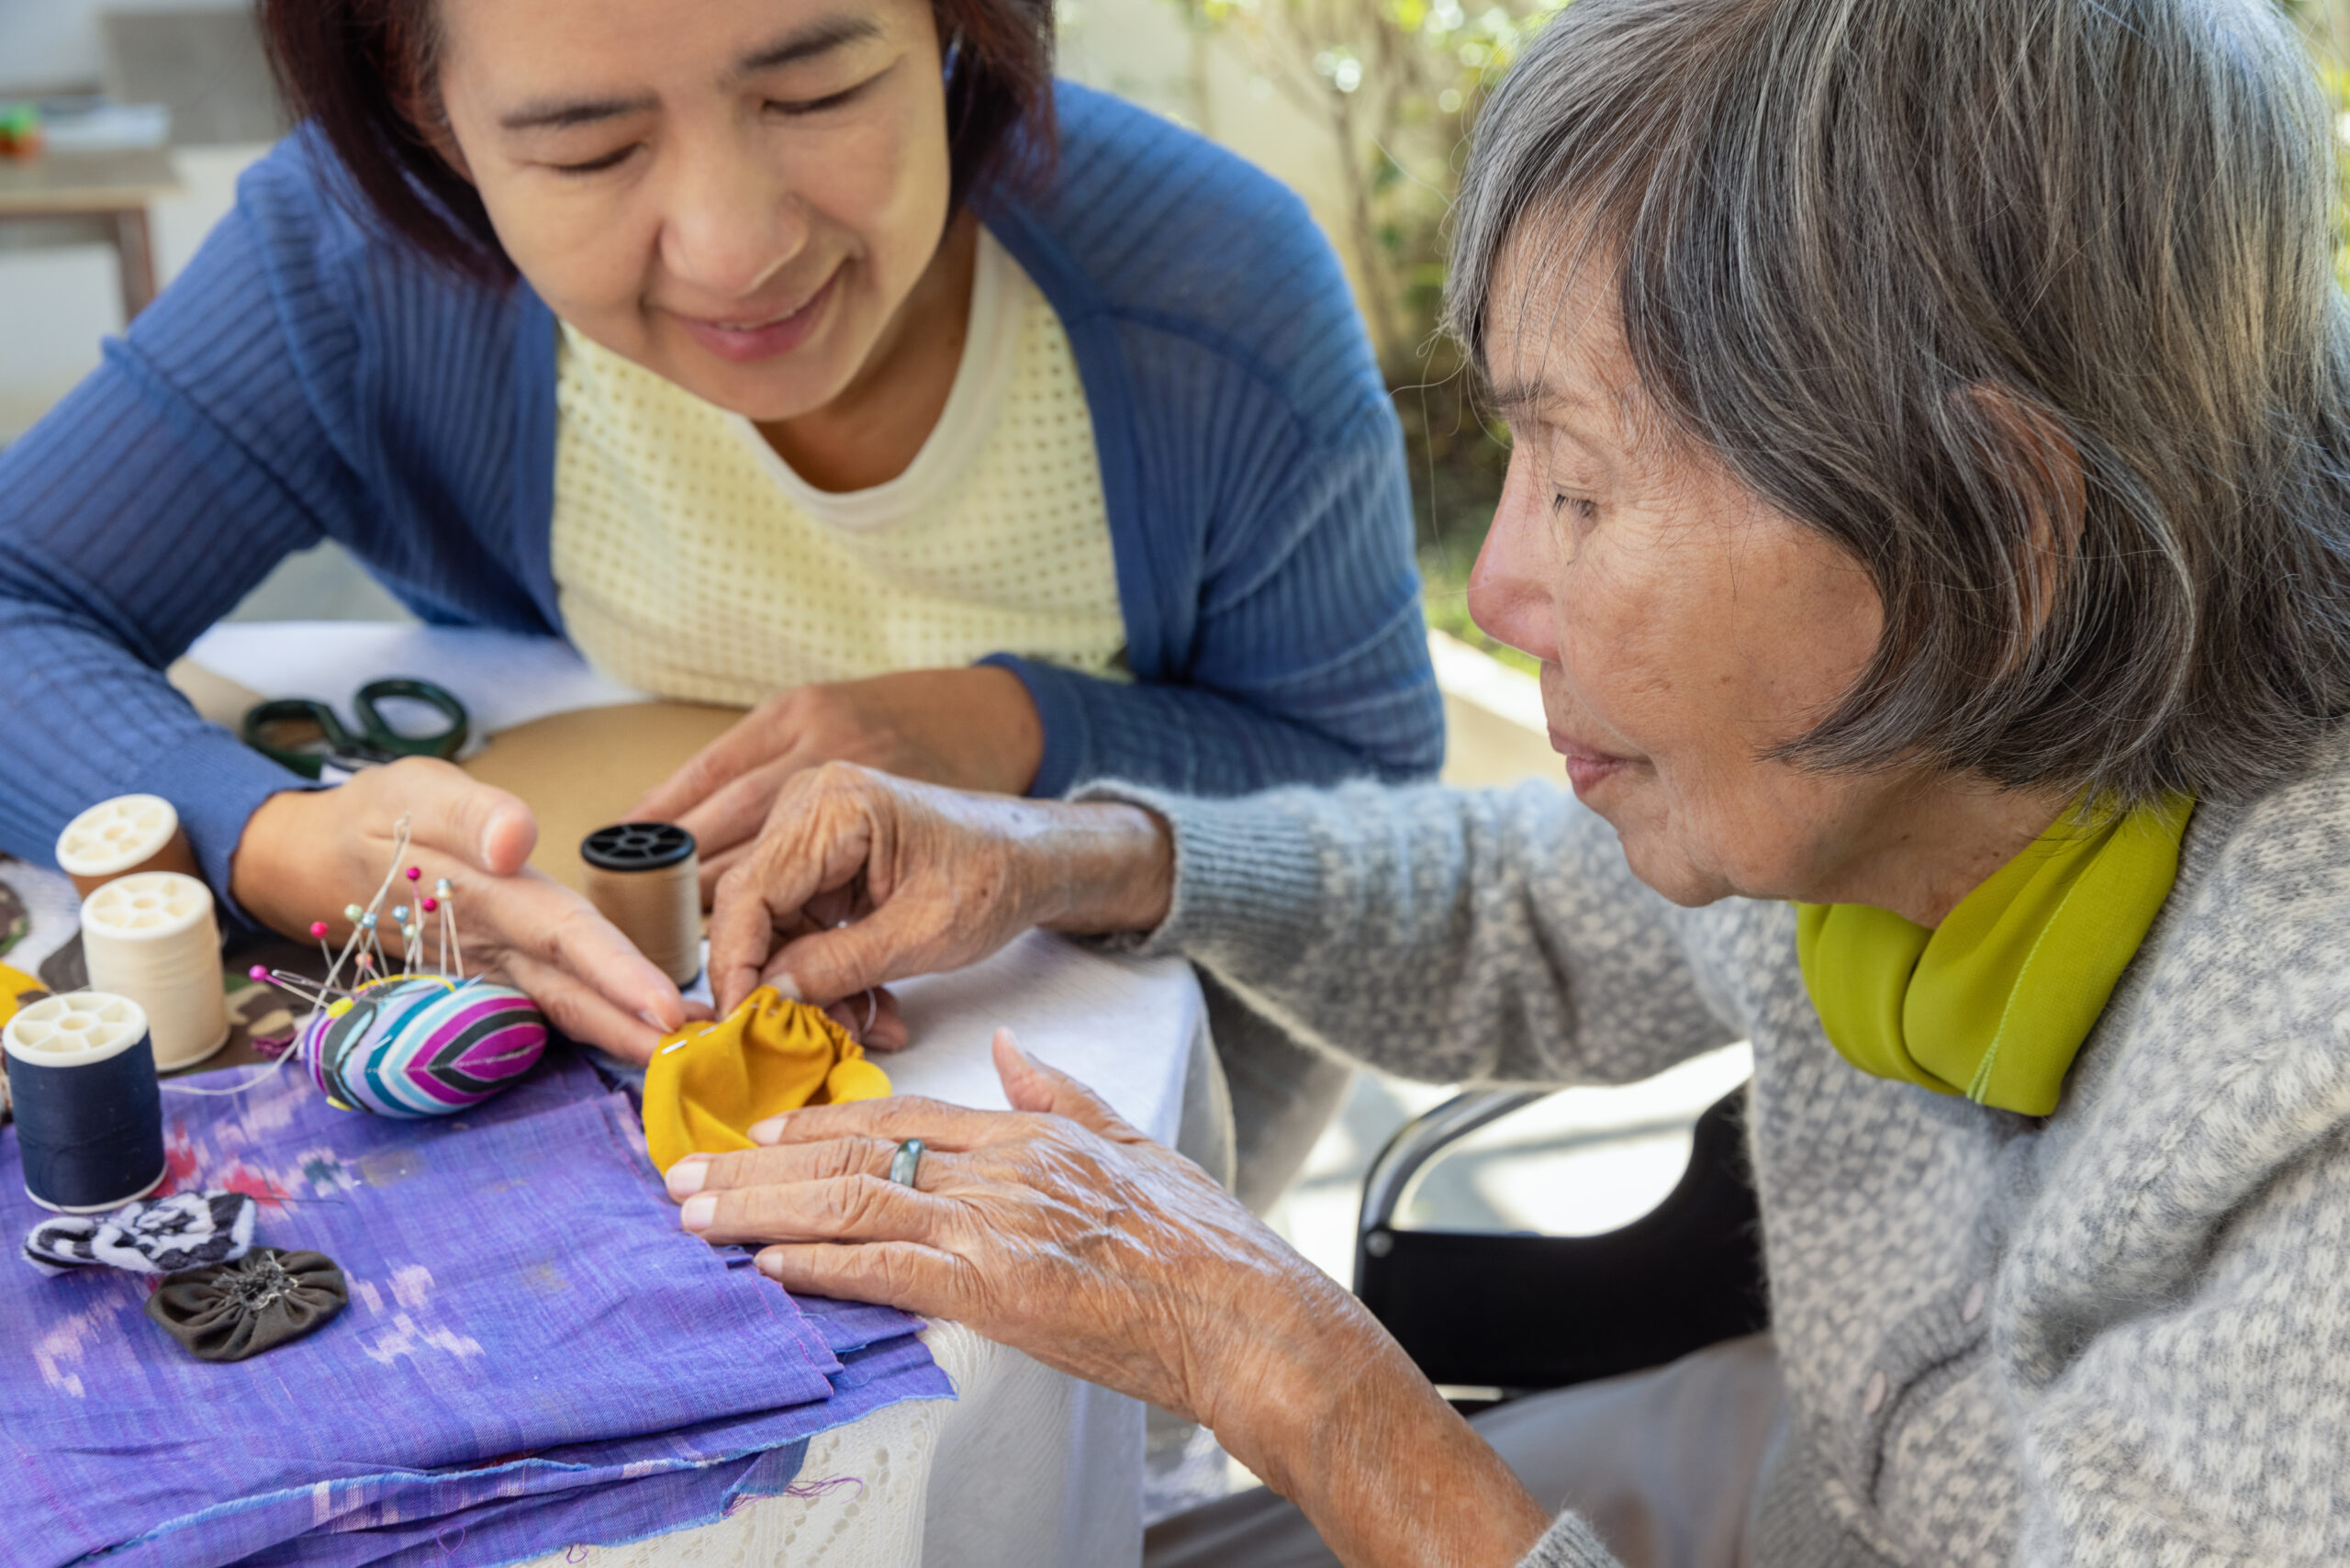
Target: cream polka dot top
{"points": [[692, 562]]}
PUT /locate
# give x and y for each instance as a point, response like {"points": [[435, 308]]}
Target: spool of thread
{"points": [[646, 880], [89, 1115], [121, 837], [152, 938]]}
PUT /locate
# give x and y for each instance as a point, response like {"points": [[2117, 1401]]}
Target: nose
{"points": [[1513, 586], [731, 222]]}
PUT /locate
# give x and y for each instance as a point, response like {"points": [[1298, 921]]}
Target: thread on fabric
{"points": [[122, 837], [645, 878], [152, 938], [89, 1115], [412, 1046]]}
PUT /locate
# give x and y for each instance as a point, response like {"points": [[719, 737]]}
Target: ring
{"points": [[905, 1162]]}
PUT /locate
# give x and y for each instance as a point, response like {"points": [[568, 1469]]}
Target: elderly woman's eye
{"points": [[1580, 508]]}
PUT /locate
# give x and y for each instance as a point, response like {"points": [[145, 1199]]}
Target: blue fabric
{"points": [[534, 1354], [306, 378]]}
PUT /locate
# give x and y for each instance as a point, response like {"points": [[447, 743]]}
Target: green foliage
{"points": [[1395, 84]]}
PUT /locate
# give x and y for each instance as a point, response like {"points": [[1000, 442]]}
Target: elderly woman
{"points": [[1930, 505]]}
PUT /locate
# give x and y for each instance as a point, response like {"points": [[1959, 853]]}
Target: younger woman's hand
{"points": [[307, 854], [973, 729]]}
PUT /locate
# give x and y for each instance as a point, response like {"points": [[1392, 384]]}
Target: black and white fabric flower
{"points": [[153, 1236]]}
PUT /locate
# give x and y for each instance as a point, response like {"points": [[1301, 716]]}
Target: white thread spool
{"points": [[646, 878], [152, 938], [117, 838]]}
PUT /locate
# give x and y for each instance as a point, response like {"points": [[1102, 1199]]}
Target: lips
{"points": [[1587, 766], [747, 341]]}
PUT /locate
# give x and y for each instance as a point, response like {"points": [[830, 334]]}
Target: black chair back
{"points": [[1521, 1313]]}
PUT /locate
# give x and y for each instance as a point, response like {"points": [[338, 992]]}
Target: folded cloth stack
{"points": [[534, 1355]]}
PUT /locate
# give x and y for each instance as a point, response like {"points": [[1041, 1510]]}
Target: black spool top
{"points": [[636, 846]]}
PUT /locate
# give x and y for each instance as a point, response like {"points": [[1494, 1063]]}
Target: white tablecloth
{"points": [[1028, 1468]]}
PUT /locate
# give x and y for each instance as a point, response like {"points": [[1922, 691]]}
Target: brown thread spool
{"points": [[126, 835], [646, 880]]}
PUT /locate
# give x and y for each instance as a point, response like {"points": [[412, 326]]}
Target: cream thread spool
{"points": [[152, 938], [646, 880], [121, 837]]}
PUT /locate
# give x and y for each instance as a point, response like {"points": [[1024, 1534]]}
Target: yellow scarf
{"points": [[709, 1083], [1995, 1002]]}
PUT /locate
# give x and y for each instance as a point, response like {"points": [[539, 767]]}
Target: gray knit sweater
{"points": [[2118, 1336]]}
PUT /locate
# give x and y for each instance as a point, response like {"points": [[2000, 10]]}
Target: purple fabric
{"points": [[534, 1355]]}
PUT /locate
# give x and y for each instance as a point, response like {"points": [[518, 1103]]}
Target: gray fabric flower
{"points": [[231, 1311]]}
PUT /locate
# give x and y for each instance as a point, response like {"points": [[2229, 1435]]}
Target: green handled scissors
{"points": [[308, 736]]}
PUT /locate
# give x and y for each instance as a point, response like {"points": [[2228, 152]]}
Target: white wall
{"points": [[57, 303], [52, 44]]}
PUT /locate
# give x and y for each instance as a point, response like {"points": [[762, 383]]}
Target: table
{"points": [[1028, 1466], [116, 186]]}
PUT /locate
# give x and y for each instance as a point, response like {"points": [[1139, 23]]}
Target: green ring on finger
{"points": [[905, 1162]]}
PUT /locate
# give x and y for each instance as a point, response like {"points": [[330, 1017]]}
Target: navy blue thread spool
{"points": [[89, 1112]]}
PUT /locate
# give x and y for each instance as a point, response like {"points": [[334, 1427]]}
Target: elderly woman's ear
{"points": [[2031, 473]]}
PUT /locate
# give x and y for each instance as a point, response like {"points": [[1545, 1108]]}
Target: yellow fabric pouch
{"points": [[1995, 1003], [15, 986], [709, 1083]]}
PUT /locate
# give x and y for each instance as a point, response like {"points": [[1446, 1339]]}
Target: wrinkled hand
{"points": [[860, 878], [1055, 1228], [307, 854], [974, 729], [1059, 1230]]}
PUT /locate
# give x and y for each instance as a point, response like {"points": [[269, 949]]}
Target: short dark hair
{"points": [[363, 73], [1848, 236]]}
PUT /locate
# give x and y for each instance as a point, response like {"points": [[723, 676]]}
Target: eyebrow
{"points": [[1532, 397], [806, 43], [815, 38], [560, 114]]}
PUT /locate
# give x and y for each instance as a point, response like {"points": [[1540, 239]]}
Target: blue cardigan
{"points": [[307, 378]]}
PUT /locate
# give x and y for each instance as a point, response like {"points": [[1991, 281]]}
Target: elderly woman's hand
{"points": [[860, 878], [1056, 1227], [973, 729], [1061, 1231]]}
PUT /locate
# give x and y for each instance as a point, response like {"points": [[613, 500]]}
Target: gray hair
{"points": [[1898, 263]]}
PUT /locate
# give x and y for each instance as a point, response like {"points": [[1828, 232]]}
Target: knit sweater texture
{"points": [[2118, 1335], [309, 377]]}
